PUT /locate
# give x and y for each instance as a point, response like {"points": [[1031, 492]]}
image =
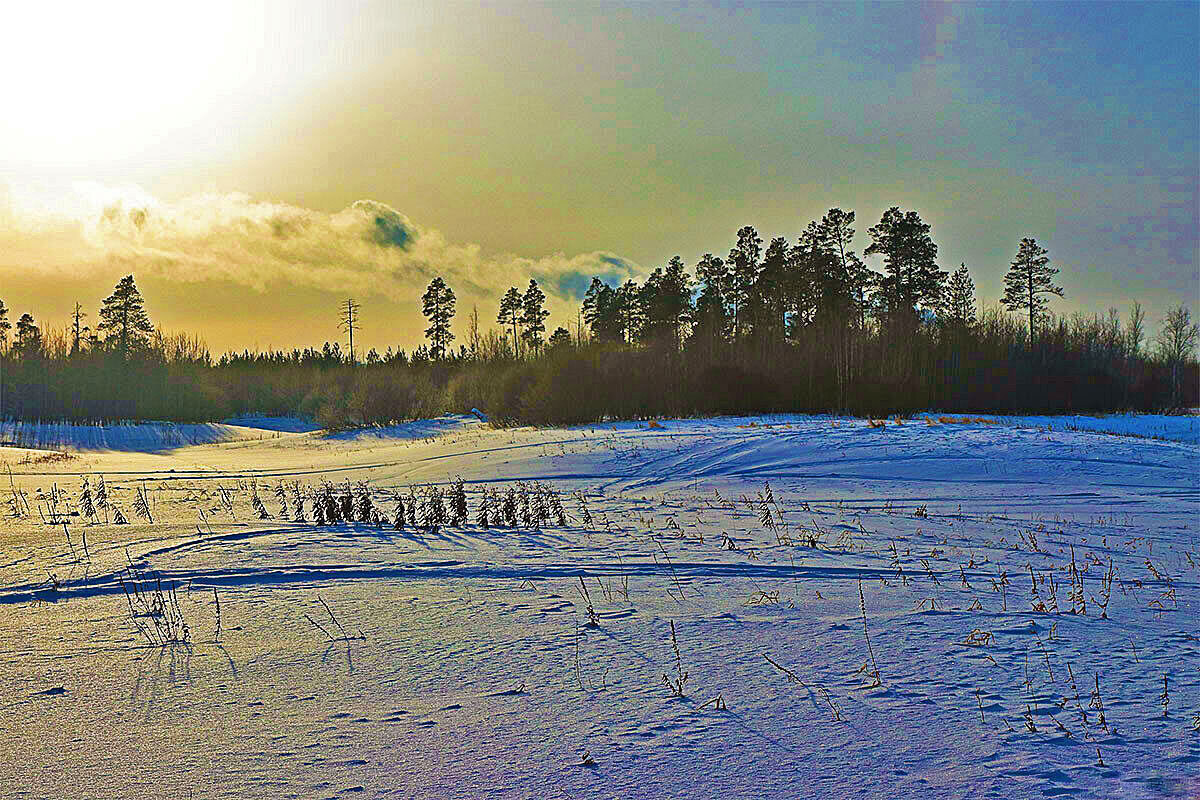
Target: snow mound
{"points": [[145, 437]]}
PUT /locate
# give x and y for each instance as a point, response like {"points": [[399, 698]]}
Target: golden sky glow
{"points": [[238, 156]]}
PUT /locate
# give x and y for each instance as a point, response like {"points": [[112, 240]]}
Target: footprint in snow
{"points": [[51, 692]]}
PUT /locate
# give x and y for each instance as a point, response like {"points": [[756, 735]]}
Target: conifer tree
{"points": [[560, 338], [1029, 279], [5, 325], [910, 257], [710, 320], [29, 336], [601, 311], [438, 308], [123, 320], [743, 273], [837, 234], [533, 316], [666, 300], [511, 308], [958, 306]]}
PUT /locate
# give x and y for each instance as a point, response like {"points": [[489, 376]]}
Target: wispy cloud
{"points": [[367, 248]]}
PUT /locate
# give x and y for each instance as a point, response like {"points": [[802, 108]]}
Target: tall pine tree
{"points": [[123, 320], [510, 316], [533, 316], [438, 308], [958, 305], [743, 273], [602, 312], [913, 281], [1029, 279]]}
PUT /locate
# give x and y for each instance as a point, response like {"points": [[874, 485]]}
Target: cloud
{"points": [[365, 249]]}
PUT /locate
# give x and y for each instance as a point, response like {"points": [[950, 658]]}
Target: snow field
{"points": [[1015, 583]]}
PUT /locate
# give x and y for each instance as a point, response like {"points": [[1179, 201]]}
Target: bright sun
{"points": [[92, 85]]}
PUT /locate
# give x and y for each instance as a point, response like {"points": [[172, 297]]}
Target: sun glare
{"points": [[93, 85]]}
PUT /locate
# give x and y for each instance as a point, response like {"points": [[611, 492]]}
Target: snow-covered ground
{"points": [[143, 436], [1175, 428], [894, 617]]}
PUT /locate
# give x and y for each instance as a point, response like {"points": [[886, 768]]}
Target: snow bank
{"points": [[1173, 428], [125, 437]]}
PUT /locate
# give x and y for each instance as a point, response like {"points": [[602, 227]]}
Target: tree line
{"points": [[783, 325]]}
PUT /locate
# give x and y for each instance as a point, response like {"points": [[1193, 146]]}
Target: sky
{"points": [[255, 163]]}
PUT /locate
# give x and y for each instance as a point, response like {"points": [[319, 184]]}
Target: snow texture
{"points": [[980, 607]]}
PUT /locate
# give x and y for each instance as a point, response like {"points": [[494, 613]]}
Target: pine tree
{"points": [[765, 304], [1029, 278], [123, 319], [29, 337], [666, 299], [958, 307], [5, 325], [837, 236], [743, 273], [913, 280], [439, 310], [560, 338], [601, 311], [510, 316], [533, 316], [629, 311]]}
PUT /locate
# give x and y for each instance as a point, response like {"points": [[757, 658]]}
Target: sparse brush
{"points": [[557, 512], [593, 619], [458, 504], [281, 498], [318, 504], [86, 509], [154, 611], [101, 496], [344, 636], [141, 504], [483, 516], [410, 507], [1078, 603], [862, 607], [1097, 702], [363, 507], [256, 502], [526, 510], [978, 638], [345, 502], [326, 506], [433, 510], [226, 498], [398, 523], [509, 508], [217, 613], [677, 683], [259, 509], [539, 512], [585, 515], [1106, 582]]}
